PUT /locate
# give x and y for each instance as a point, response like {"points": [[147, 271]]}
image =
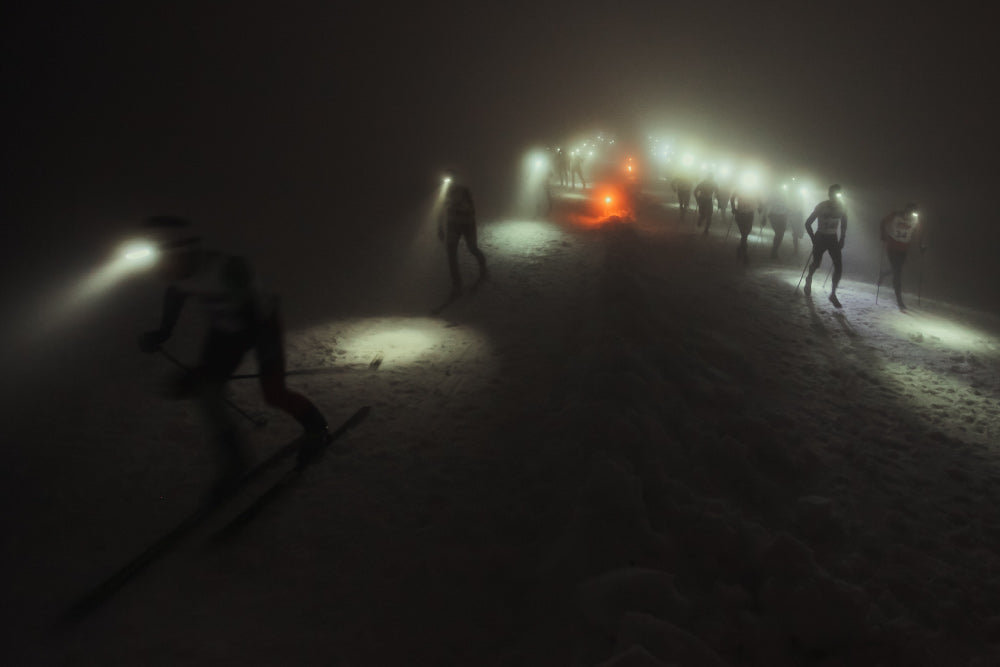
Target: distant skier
{"points": [[240, 317], [722, 197], [798, 228], [743, 207], [777, 215], [682, 186], [703, 194], [562, 167], [576, 167], [457, 221], [899, 230], [829, 237]]}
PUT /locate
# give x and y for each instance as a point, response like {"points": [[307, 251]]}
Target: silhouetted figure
{"points": [[241, 317], [899, 230], [562, 167], [457, 221], [682, 186], [722, 197], [743, 206], [703, 194], [796, 224], [830, 234], [576, 166], [777, 215]]}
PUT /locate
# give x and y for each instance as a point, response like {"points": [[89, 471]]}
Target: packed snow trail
{"points": [[625, 446]]}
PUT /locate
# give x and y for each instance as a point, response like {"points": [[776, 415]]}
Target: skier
{"points": [[777, 215], [743, 207], [829, 237], [241, 317], [682, 186], [576, 165], [703, 194], [899, 230], [562, 167], [458, 220]]}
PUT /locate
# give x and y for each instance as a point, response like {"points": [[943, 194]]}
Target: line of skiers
{"points": [[898, 230], [242, 316]]}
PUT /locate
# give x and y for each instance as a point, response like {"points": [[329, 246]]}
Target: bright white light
{"points": [[750, 180], [139, 253]]}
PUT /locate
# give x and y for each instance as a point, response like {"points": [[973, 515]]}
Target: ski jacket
{"points": [[226, 291], [899, 230], [458, 206], [705, 190], [743, 203], [829, 216]]}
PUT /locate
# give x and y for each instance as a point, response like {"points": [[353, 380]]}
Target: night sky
{"points": [[320, 128]]}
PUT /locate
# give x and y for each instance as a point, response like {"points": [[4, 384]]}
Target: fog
{"points": [[312, 137]]}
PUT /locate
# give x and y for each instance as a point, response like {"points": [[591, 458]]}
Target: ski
{"points": [[285, 481], [157, 549]]}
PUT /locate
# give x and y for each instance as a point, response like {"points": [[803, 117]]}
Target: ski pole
{"points": [[256, 421], [808, 259], [730, 228], [828, 271]]}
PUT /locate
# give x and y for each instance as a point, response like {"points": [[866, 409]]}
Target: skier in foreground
{"points": [[240, 318], [829, 237], [899, 229], [458, 220]]}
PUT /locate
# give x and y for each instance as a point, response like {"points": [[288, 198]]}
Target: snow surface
{"points": [[626, 449]]}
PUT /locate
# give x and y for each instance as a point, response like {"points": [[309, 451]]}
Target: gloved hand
{"points": [[150, 341], [812, 237]]}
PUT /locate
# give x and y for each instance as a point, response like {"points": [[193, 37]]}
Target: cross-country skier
{"points": [[576, 169], [456, 221], [682, 186], [743, 207], [777, 215], [240, 317], [703, 194], [899, 230], [831, 232]]}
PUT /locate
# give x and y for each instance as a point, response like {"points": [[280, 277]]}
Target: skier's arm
{"points": [[809, 226], [843, 230]]}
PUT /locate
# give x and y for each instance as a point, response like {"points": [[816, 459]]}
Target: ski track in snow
{"points": [[624, 449]]}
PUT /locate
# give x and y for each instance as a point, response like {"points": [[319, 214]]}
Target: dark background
{"points": [[314, 133]]}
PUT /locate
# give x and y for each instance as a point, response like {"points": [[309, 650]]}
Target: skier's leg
{"points": [[472, 243], [451, 243], [838, 264], [270, 350], [221, 354]]}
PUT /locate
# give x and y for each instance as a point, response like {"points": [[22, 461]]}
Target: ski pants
{"points": [[744, 222], [223, 351], [827, 243], [457, 231], [705, 212], [896, 260]]}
